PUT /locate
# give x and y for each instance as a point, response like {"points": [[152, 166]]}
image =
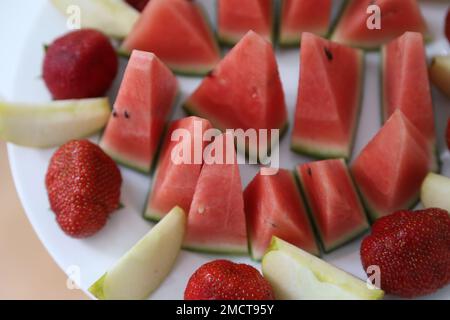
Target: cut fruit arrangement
{"points": [[284, 218]]}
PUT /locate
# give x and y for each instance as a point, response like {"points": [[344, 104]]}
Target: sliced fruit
{"points": [[333, 200], [52, 124], [114, 17], [236, 17], [447, 138], [297, 275], [141, 111], [138, 4], [174, 183], [406, 85], [178, 32], [396, 17], [329, 96], [274, 207], [390, 169], [145, 266], [298, 16], [440, 73], [216, 221], [250, 72], [435, 192], [447, 25]]}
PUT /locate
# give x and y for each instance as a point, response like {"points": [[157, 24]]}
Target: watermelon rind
{"points": [[119, 159], [345, 239], [323, 152]]}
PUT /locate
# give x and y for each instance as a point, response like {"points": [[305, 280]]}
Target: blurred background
{"points": [[26, 269]]}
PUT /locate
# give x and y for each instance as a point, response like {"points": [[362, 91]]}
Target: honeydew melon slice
{"points": [[435, 192]]}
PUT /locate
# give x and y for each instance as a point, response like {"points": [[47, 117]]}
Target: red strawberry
{"points": [[448, 134], [412, 250], [83, 185], [138, 4], [447, 25], [81, 64], [225, 280]]}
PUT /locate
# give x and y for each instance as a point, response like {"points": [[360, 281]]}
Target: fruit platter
{"points": [[238, 150]]}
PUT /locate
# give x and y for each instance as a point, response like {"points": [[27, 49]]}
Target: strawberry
{"points": [[447, 25], [412, 250], [448, 134], [81, 64], [138, 4], [83, 185], [225, 280]]}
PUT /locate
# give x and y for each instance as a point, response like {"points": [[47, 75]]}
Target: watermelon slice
{"points": [[250, 73], [216, 220], [390, 169], [329, 98], [397, 17], [141, 111], [274, 207], [333, 201], [176, 31], [236, 17], [298, 16], [174, 183]]}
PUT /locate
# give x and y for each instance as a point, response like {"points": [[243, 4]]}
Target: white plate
{"points": [[88, 259]]}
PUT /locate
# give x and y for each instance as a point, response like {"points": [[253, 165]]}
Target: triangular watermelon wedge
{"points": [[329, 96], [174, 183], [406, 85], [216, 221], [333, 201], [236, 17], [244, 91], [141, 111], [298, 16], [178, 32], [391, 168], [397, 17], [274, 207]]}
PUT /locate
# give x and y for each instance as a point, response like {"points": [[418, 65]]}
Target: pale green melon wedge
{"points": [[435, 192], [297, 275], [145, 266], [113, 17], [54, 123]]}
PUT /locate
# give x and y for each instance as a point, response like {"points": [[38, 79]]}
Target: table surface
{"points": [[27, 271]]}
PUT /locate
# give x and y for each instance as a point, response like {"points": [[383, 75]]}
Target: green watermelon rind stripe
{"points": [[322, 151], [349, 237], [125, 162]]}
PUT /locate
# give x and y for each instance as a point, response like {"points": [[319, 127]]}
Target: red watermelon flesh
{"points": [[178, 33], [390, 169], [406, 84], [334, 202], [244, 91], [397, 17], [329, 98], [174, 183], [236, 17], [274, 207], [141, 111], [216, 221], [298, 16]]}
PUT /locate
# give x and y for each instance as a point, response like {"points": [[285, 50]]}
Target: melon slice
{"points": [[146, 265], [334, 202], [178, 32], [141, 111], [236, 17], [391, 168], [113, 17], [397, 17], [298, 16], [174, 183], [52, 124], [296, 275], [329, 96], [440, 73], [216, 221], [406, 85], [274, 207], [435, 192], [250, 73]]}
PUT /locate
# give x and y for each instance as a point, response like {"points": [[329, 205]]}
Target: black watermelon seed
{"points": [[328, 54]]}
